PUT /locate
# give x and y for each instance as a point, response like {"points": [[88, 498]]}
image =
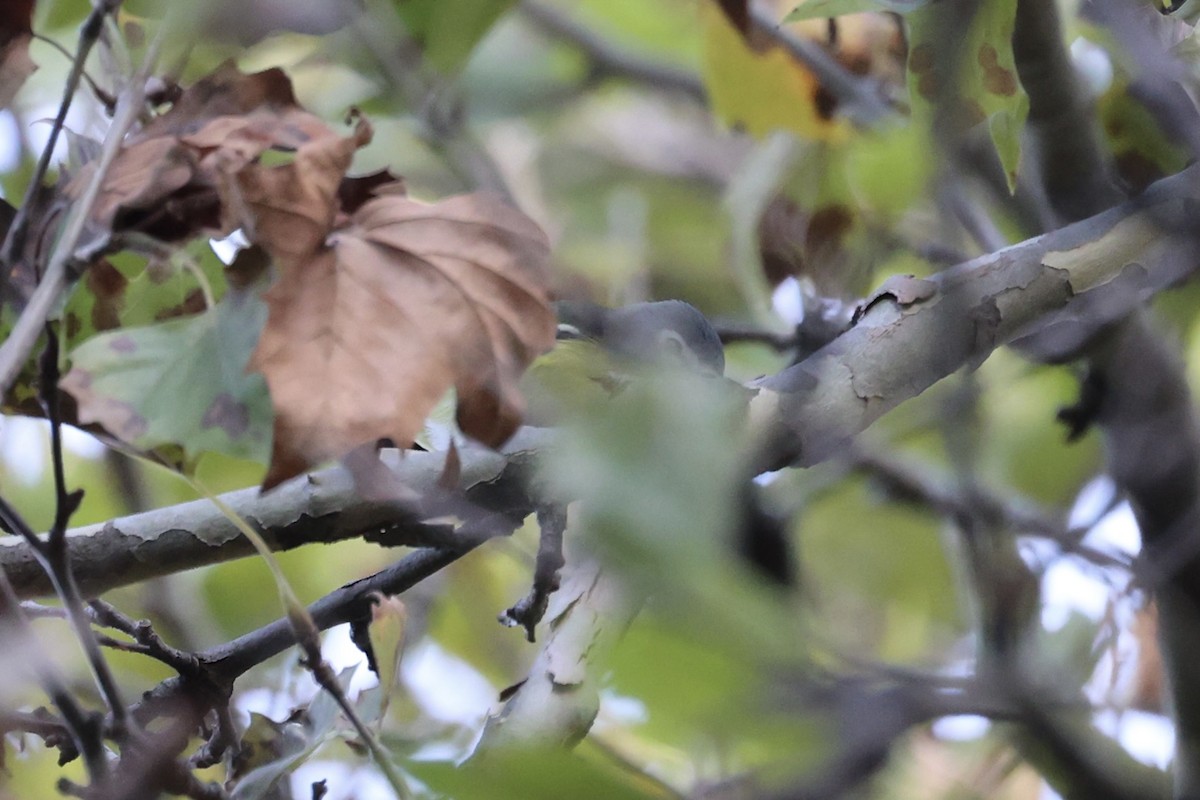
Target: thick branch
{"points": [[913, 332], [323, 507], [1074, 170], [1145, 408]]}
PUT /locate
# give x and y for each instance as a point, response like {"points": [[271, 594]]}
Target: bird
{"points": [[667, 331], [598, 350]]}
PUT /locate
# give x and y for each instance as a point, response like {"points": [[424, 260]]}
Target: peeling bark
{"points": [[1100, 269]]}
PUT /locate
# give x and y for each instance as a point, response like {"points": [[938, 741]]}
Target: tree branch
{"points": [[322, 507], [559, 700], [1074, 169], [915, 332], [225, 663], [1144, 409], [807, 410]]}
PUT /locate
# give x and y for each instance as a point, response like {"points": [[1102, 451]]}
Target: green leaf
{"points": [[389, 619], [323, 711], [814, 9], [535, 774], [448, 30], [126, 290], [1025, 446], [1141, 151], [984, 83], [760, 91], [882, 565], [692, 679], [659, 489], [277, 749], [180, 382]]}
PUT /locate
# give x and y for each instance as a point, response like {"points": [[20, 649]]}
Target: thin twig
{"points": [[147, 639], [308, 636], [224, 664], [56, 557], [104, 97], [89, 34], [85, 729], [915, 485], [528, 612], [324, 676], [20, 342]]}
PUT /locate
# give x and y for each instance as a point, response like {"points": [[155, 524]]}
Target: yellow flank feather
{"points": [[574, 379]]}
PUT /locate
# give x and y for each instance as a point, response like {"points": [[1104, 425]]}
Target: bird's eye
{"points": [[674, 350]]}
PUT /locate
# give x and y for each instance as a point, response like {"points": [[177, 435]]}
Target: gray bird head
{"points": [[670, 331]]}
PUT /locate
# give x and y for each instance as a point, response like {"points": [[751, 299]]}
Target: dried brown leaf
{"points": [[290, 210], [16, 16], [370, 324], [355, 191], [225, 92], [171, 180], [142, 175]]}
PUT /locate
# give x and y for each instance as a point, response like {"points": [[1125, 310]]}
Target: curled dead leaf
{"points": [[171, 180], [224, 92], [291, 209]]}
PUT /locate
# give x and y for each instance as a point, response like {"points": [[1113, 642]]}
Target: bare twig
{"points": [[104, 97], [224, 664], [85, 729], [89, 34], [55, 556], [907, 482], [20, 342], [324, 675], [147, 639]]}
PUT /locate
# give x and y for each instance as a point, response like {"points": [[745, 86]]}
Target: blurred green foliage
{"points": [[634, 187]]}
